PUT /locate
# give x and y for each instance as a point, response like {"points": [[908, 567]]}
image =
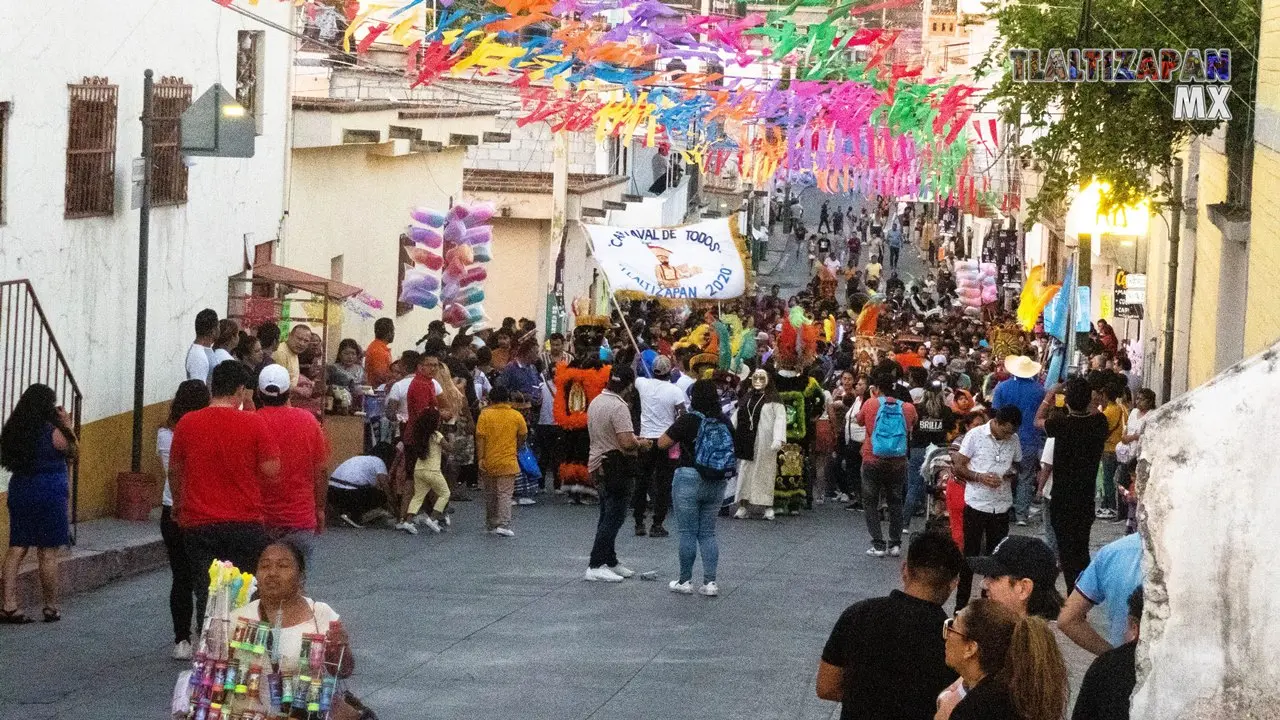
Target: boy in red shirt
{"points": [[295, 504], [220, 462]]}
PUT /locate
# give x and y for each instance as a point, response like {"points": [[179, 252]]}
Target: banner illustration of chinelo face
{"points": [[693, 262]]}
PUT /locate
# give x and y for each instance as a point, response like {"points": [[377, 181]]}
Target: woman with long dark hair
{"points": [[192, 395], [697, 490], [35, 445]]}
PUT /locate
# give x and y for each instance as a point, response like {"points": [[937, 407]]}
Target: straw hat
{"points": [[1021, 366]]}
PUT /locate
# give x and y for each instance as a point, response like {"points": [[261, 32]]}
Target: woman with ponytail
{"points": [[1010, 665]]}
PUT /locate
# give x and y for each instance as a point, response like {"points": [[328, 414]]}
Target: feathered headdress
{"points": [[798, 341]]}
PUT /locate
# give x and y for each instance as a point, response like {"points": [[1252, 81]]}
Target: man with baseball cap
{"points": [[660, 402], [611, 462], [295, 505], [1021, 574]]}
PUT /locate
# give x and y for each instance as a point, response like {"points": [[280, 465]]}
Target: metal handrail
{"points": [[31, 354]]}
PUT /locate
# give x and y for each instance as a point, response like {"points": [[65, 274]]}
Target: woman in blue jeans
{"points": [[695, 499]]}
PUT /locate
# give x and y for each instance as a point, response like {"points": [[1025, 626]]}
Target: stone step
{"points": [[628, 197], [614, 205], [106, 550], [588, 212]]}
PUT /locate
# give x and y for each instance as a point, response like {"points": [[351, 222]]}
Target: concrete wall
{"points": [[1209, 635], [84, 270], [530, 146], [345, 201]]}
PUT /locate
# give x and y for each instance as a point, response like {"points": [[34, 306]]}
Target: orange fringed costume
{"points": [[575, 389]]}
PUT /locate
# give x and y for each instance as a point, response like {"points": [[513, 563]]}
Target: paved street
{"points": [[466, 625]]}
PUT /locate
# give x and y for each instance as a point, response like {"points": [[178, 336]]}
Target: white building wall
{"points": [[84, 270]]}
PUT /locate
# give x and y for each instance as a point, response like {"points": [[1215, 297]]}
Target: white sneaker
{"points": [[182, 650], [895, 551], [621, 571], [448, 521], [741, 514], [842, 498], [408, 527], [347, 519], [875, 552], [684, 588], [504, 532], [514, 503], [768, 514], [710, 589], [526, 501], [421, 519], [431, 523], [601, 574]]}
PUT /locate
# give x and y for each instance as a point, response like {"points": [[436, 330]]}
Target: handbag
{"points": [[528, 463]]}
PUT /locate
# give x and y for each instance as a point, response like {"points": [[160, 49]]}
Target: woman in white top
{"points": [[225, 343], [1129, 449], [282, 576], [192, 395]]}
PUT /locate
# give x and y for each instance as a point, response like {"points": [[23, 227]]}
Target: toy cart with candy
{"points": [[237, 672]]}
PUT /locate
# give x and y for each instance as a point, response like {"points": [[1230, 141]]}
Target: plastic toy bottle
{"points": [[254, 685], [229, 682], [274, 688], [202, 710], [326, 694], [215, 712], [316, 657], [286, 692]]}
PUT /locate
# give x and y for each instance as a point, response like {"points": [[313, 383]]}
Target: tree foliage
{"points": [[1116, 132]]}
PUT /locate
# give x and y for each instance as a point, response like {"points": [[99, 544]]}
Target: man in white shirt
{"points": [[987, 463], [200, 354], [660, 402]]}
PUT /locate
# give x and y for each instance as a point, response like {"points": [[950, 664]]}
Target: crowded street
{"points": [[623, 359]]}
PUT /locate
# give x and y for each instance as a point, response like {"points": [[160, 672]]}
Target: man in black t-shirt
{"points": [[886, 659], [1109, 682], [1078, 435]]}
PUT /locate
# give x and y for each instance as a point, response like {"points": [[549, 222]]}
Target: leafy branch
{"points": [[1120, 133]]}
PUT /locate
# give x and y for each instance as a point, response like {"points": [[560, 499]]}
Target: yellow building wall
{"points": [[517, 280], [1262, 323], [1204, 298]]}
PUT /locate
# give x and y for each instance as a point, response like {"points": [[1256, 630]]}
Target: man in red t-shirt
{"points": [[295, 505], [883, 476], [221, 460], [424, 391]]}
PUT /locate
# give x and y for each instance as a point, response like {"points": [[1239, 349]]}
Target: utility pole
{"points": [[144, 233], [1171, 298]]}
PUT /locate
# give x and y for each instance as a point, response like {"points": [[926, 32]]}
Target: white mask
{"points": [[759, 379]]}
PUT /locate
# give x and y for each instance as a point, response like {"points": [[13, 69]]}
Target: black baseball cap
{"points": [[1019, 556]]}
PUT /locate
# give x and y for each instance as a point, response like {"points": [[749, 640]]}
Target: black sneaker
{"points": [[658, 531], [640, 529]]}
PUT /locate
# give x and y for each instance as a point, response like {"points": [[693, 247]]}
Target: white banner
{"points": [[695, 262]]}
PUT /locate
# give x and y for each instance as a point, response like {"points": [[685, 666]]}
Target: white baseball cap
{"points": [[273, 381]]}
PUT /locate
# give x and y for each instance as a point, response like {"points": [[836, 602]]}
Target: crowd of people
{"points": [[895, 402]]}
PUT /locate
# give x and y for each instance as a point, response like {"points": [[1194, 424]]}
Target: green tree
{"points": [[1116, 132]]}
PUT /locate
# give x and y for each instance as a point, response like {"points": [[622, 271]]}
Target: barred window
{"points": [[169, 99], [91, 148]]}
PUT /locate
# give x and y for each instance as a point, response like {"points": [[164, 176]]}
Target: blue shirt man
{"points": [[1116, 571], [1024, 392]]}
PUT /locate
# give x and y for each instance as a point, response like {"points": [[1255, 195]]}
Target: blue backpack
{"points": [[713, 455], [889, 438]]}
